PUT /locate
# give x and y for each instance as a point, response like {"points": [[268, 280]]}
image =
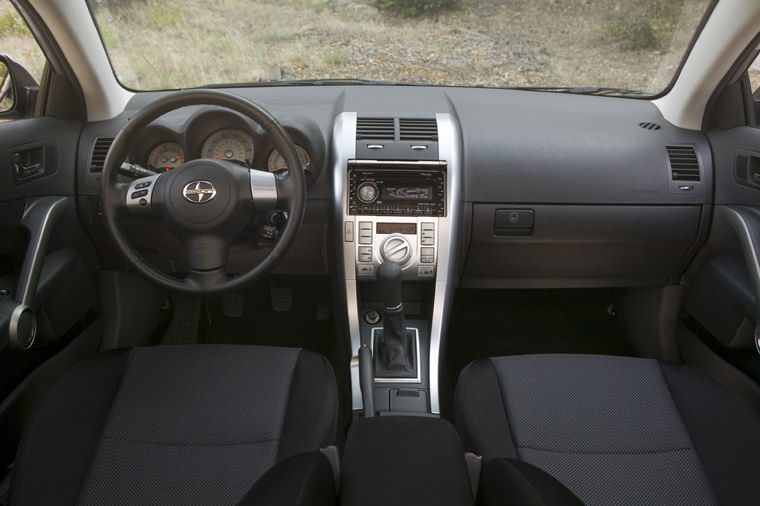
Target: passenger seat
{"points": [[608, 430]]}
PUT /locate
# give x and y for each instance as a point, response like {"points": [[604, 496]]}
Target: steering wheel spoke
{"points": [[265, 190], [139, 195]]}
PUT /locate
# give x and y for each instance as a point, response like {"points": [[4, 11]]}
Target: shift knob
{"points": [[389, 278]]}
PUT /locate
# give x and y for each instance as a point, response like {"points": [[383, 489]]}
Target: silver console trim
{"points": [[344, 149], [427, 163], [418, 379], [449, 149]]}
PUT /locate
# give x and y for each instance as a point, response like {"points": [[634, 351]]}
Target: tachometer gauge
{"points": [[276, 163], [165, 157], [229, 144]]}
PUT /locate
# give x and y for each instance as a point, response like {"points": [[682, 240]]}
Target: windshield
{"points": [[633, 44]]}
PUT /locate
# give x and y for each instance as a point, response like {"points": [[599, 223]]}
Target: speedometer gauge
{"points": [[166, 156], [229, 144], [276, 163]]}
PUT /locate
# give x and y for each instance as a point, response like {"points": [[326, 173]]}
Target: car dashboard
{"points": [[556, 190]]}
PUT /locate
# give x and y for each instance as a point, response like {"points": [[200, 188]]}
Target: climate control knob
{"points": [[396, 248], [367, 192]]}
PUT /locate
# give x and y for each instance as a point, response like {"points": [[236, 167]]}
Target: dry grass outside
{"points": [[17, 41], [500, 43]]}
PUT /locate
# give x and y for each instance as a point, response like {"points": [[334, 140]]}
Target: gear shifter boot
{"points": [[395, 358]]}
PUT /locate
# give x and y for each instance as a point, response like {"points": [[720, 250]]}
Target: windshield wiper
{"points": [[306, 82], [587, 90]]}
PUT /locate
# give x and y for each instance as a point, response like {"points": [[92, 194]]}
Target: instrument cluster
{"points": [[221, 135]]}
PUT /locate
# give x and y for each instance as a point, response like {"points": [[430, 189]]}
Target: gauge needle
{"points": [[279, 165]]}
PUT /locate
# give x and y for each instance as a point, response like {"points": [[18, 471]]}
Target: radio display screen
{"points": [[416, 193], [397, 228]]}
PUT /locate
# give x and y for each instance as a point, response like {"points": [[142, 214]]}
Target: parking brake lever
{"points": [[367, 380]]}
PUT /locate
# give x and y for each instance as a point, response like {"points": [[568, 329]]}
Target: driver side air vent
{"points": [[684, 165], [99, 152], [378, 129], [418, 129]]}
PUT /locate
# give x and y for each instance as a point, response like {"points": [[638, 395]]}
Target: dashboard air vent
{"points": [[684, 165], [649, 126], [418, 130], [99, 152], [379, 129]]}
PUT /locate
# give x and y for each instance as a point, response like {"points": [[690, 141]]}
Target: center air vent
{"points": [[684, 165], [418, 130], [376, 129], [99, 152]]}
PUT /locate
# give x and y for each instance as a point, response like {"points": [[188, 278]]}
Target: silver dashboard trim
{"points": [[428, 163], [344, 149], [449, 149]]}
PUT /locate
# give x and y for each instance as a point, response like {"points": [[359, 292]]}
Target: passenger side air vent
{"points": [[99, 152], [377, 129], [649, 126], [418, 130], [684, 165]]}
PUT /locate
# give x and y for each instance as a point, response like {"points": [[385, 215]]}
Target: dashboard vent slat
{"points": [[379, 129], [99, 152], [684, 164], [418, 129]]}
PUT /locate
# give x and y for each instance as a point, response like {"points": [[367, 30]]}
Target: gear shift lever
{"points": [[394, 351]]}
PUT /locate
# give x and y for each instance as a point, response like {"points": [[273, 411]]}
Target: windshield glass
{"points": [[634, 44]]}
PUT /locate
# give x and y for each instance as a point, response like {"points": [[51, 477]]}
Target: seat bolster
{"points": [[301, 480], [506, 482], [480, 414], [62, 434], [311, 418], [724, 430]]}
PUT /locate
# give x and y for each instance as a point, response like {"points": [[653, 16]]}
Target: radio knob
{"points": [[367, 192]]}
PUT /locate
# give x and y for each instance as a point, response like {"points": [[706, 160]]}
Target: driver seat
{"points": [[194, 424]]}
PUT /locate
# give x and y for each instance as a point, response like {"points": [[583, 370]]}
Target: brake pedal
{"points": [[282, 299], [233, 305]]}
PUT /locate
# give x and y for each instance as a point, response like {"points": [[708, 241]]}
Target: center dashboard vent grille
{"points": [[418, 129], [99, 152], [378, 129], [684, 164]]}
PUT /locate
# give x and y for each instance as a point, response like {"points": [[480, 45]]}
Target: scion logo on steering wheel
{"points": [[199, 192]]}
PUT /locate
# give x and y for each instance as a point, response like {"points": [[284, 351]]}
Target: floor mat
{"points": [[490, 323], [183, 327], [262, 324]]}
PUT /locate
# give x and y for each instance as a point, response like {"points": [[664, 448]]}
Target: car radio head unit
{"points": [[394, 191]]}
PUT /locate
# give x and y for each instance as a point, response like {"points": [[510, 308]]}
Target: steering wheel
{"points": [[205, 203]]}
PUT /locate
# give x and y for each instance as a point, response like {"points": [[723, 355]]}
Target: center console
{"points": [[398, 202]]}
